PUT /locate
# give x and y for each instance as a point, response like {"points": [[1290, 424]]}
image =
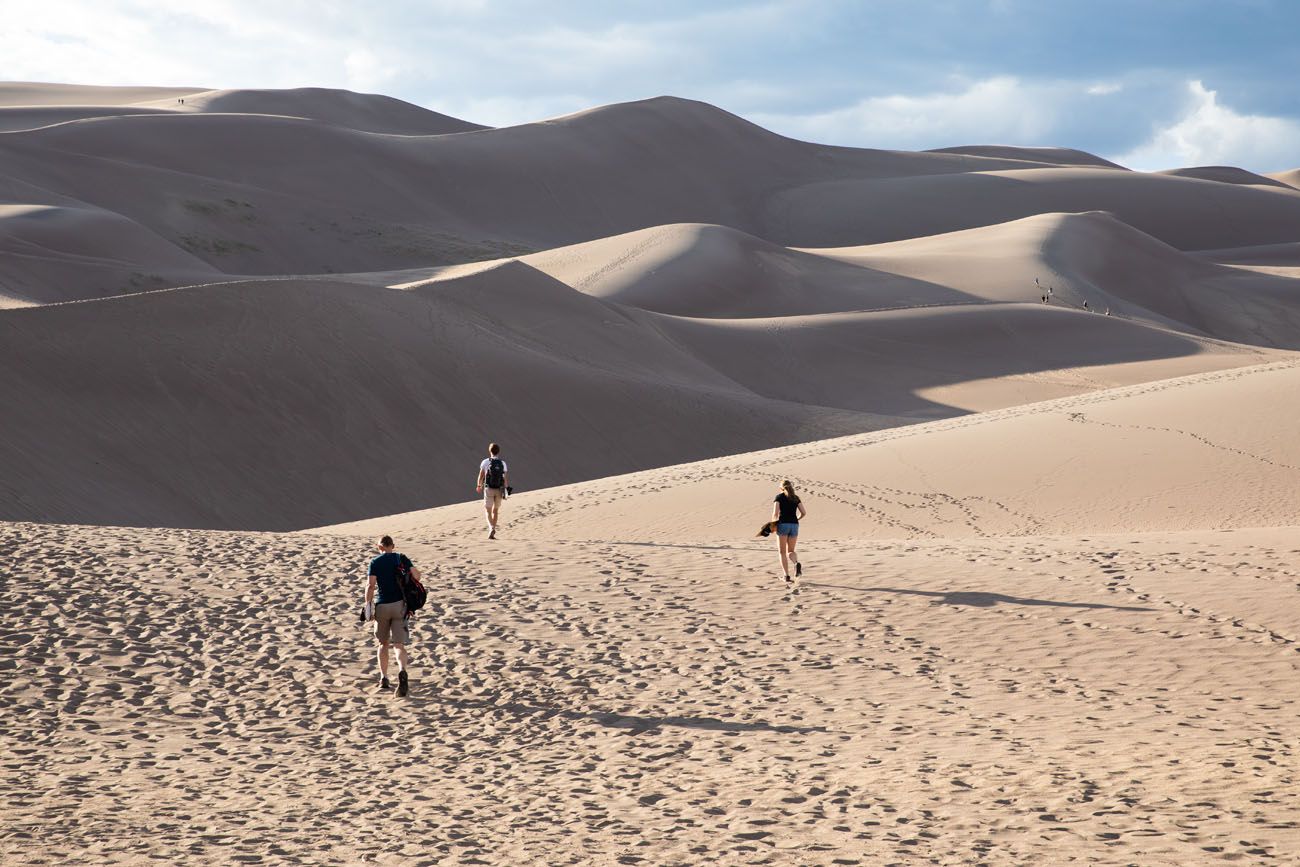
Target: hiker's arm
{"points": [[478, 486], [776, 511], [416, 573], [803, 513], [370, 590]]}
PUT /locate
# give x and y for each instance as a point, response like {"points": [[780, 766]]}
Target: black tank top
{"points": [[789, 509]]}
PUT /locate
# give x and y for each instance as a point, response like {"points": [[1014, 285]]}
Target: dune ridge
{"points": [[215, 183], [275, 382]]}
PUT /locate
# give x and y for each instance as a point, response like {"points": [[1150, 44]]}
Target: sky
{"points": [[1152, 84]]}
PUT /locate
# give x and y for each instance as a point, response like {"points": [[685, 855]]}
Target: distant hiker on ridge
{"points": [[494, 482]]}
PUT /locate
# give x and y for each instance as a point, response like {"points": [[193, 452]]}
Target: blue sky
{"points": [[1151, 83]]}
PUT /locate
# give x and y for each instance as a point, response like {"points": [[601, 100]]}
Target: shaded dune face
{"points": [[243, 405], [370, 291]]}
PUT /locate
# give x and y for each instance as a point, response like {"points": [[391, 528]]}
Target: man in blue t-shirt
{"points": [[389, 610]]}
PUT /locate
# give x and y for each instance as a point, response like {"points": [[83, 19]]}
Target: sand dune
{"points": [[243, 404], [55, 254], [1291, 178], [1210, 451], [26, 117], [216, 184], [712, 271], [33, 93], [367, 112], [25, 108], [1094, 257], [1186, 213], [1048, 613], [1046, 155], [1224, 175]]}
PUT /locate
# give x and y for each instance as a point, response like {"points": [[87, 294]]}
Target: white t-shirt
{"points": [[483, 468]]}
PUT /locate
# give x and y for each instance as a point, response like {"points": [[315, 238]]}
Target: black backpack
{"points": [[496, 474], [412, 590]]}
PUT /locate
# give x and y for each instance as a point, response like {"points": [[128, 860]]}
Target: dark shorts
{"points": [[787, 529]]}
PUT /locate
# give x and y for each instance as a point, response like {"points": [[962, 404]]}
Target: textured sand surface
{"points": [[1104, 700], [1209, 451]]}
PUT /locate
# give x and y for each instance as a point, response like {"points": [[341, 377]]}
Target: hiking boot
{"points": [[384, 684], [402, 686], [798, 569]]}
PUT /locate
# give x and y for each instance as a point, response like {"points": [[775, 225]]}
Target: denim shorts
{"points": [[787, 529]]}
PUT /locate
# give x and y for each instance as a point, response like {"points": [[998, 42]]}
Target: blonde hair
{"points": [[789, 490]]}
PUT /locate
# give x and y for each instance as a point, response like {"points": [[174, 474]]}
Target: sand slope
{"points": [[1046, 155], [1291, 177], [246, 404], [1094, 257], [1109, 700], [712, 271], [367, 112], [36, 93], [1187, 213], [1208, 451], [1225, 175], [55, 253], [232, 189]]}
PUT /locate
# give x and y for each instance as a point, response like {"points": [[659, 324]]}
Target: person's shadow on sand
{"points": [[616, 720], [976, 599]]}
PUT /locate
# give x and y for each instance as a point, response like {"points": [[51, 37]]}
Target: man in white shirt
{"points": [[494, 482]]}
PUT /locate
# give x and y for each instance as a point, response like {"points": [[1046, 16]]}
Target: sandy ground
{"points": [[174, 696], [622, 677]]}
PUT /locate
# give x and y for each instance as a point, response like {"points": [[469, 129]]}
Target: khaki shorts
{"points": [[493, 496], [390, 623]]}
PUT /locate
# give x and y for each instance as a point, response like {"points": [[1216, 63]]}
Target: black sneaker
{"points": [[402, 686], [798, 569], [384, 684], [788, 580]]}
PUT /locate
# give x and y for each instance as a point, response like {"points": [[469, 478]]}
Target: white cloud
{"points": [[1210, 133], [1003, 109]]}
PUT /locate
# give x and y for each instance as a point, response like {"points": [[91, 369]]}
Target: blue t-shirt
{"points": [[384, 568]]}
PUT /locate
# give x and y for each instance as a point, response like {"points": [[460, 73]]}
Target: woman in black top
{"points": [[787, 509]]}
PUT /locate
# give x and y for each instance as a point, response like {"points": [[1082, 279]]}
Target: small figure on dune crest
{"points": [[400, 592], [787, 509], [1085, 304], [494, 483]]}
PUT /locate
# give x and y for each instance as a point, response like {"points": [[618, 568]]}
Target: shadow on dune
{"points": [[618, 720], [976, 599]]}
